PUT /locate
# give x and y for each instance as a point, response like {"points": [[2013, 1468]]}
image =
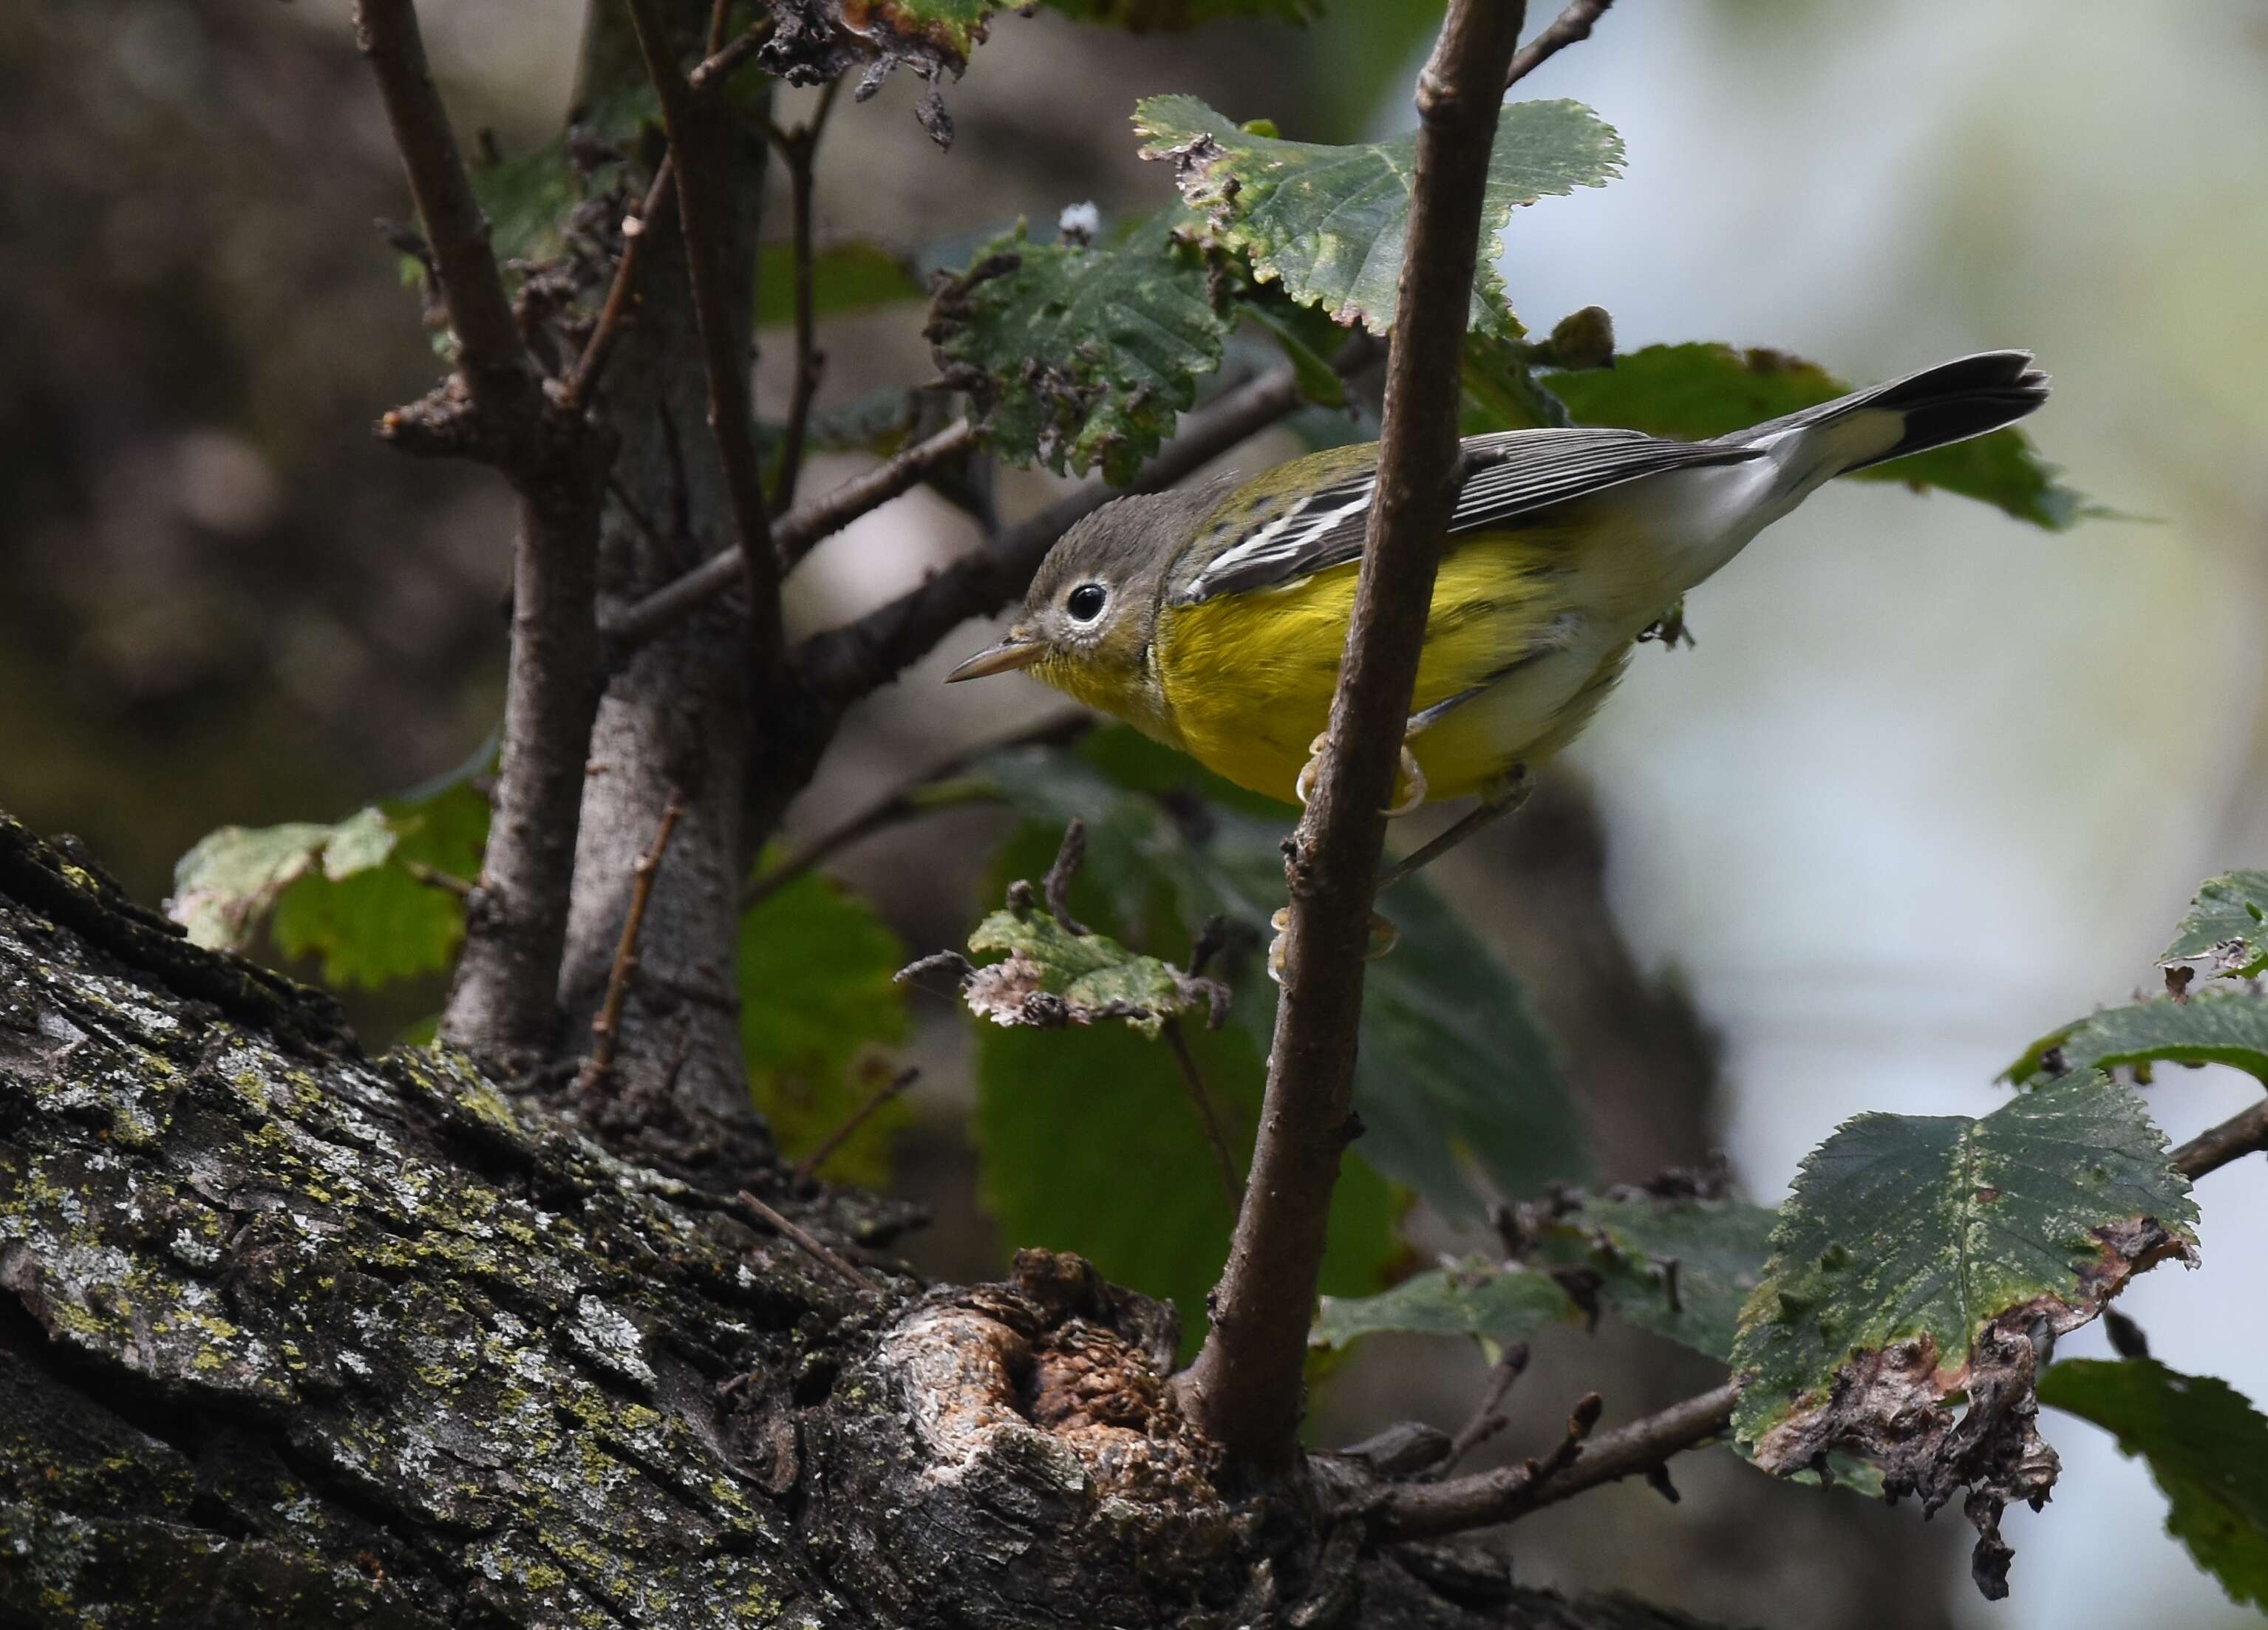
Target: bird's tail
{"points": [[1950, 403]]}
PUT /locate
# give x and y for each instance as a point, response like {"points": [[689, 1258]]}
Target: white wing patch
{"points": [[1287, 536]]}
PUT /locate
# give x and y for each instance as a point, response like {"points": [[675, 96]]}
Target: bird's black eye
{"points": [[1086, 602]]}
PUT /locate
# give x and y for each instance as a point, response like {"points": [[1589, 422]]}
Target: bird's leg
{"points": [[1499, 799]]}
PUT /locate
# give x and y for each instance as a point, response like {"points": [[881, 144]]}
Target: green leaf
{"points": [[527, 198], [1502, 1301], [1089, 1142], [2215, 1027], [1308, 339], [1080, 355], [1078, 978], [384, 922], [1501, 390], [818, 998], [1458, 1089], [2207, 1449], [1143, 16], [2228, 924], [1915, 1265], [1329, 222], [224, 887], [845, 278], [1697, 391], [1630, 1239]]}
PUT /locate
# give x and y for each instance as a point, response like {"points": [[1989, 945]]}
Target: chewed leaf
{"points": [[1052, 977], [1503, 1302], [816, 41], [1331, 222], [2207, 1449], [1080, 355], [222, 888], [2216, 1027], [2226, 925], [1682, 1267], [1697, 391], [1917, 1265]]}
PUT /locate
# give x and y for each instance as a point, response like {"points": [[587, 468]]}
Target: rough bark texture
{"points": [[291, 1336], [676, 712]]}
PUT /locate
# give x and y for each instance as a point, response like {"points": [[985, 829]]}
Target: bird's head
{"points": [[1088, 619]]}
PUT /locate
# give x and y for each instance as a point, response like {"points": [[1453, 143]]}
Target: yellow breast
{"points": [[1247, 678]]}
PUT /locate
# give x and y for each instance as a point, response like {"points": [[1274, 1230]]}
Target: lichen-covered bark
{"points": [[290, 1336]]}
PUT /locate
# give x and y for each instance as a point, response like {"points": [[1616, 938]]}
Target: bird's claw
{"points": [[1384, 936], [1410, 773], [1416, 777]]}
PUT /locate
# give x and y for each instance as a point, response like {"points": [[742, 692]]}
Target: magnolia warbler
{"points": [[1213, 618]]}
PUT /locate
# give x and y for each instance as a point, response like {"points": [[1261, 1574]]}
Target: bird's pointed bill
{"points": [[1012, 652]]}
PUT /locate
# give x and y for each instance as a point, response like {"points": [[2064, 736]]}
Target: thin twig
{"points": [[1429, 1510], [2240, 1134], [720, 62], [700, 135], [1244, 1388], [797, 533], [799, 151], [1570, 27], [1055, 887], [803, 1238], [808, 1166], [1487, 1418], [917, 796], [652, 212], [434, 877], [605, 1030], [1193, 1079], [720, 15]]}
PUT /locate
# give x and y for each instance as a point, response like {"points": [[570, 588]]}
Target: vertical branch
{"points": [[700, 130], [1244, 1388], [799, 148], [605, 1030], [502, 1001]]}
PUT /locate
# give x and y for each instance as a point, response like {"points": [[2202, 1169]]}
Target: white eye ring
{"points": [[1086, 601]]}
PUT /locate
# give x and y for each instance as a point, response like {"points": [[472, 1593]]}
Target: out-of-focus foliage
{"points": [[1455, 1079], [2206, 1445], [1500, 1302], [2226, 925], [817, 1001], [1331, 222], [1164, 16], [1697, 391], [846, 278], [2213, 1027], [1079, 355], [373, 897]]}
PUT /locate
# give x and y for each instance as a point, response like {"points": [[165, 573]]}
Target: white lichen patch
{"points": [[611, 1341]]}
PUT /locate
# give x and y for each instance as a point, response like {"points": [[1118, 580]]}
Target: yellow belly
{"points": [[1248, 677]]}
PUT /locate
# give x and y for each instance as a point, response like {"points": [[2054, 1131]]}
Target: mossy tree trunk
{"points": [[292, 1336]]}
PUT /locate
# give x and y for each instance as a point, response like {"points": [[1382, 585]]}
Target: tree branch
{"points": [[651, 213], [1244, 1388], [1429, 1510], [502, 998], [495, 363], [699, 131], [1571, 25], [2240, 1134], [798, 149], [845, 664], [796, 535]]}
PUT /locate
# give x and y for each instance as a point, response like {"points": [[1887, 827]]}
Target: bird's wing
{"points": [[1518, 472]]}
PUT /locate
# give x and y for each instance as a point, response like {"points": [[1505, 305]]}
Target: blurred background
{"points": [[1930, 783]]}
